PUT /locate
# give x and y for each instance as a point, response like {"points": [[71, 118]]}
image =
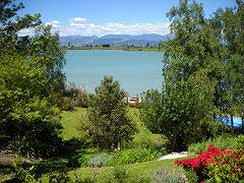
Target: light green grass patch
{"points": [[137, 169], [72, 123]]}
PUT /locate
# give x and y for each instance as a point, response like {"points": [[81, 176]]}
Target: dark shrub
{"points": [[59, 178]]}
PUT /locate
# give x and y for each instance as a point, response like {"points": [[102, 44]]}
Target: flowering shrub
{"points": [[203, 159], [200, 163], [229, 168]]}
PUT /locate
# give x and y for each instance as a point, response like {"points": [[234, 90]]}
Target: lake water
{"points": [[136, 71]]}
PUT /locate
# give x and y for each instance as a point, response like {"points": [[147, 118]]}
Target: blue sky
{"points": [[99, 17]]}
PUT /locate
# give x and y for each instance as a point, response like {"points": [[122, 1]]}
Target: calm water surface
{"points": [[136, 71]]}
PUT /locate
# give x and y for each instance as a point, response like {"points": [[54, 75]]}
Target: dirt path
{"points": [[174, 155]]}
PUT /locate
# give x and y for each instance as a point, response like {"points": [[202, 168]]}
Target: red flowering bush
{"points": [[229, 168], [200, 163]]}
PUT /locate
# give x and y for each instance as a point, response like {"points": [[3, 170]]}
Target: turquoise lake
{"points": [[136, 71]]}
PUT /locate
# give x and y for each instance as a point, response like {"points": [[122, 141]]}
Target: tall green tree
{"points": [[193, 71], [28, 119], [229, 29], [30, 76], [109, 125]]}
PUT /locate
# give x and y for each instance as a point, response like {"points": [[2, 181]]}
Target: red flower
{"points": [[204, 159]]}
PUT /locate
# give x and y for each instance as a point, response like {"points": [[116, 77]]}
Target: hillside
{"points": [[115, 40]]}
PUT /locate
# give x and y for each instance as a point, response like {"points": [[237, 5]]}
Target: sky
{"points": [[101, 17]]}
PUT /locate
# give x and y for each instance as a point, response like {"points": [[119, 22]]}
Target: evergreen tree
{"points": [[109, 126]]}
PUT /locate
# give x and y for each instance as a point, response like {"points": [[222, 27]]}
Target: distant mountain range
{"points": [[115, 40]]}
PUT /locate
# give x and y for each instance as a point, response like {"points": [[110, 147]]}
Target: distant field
{"points": [[116, 48]]}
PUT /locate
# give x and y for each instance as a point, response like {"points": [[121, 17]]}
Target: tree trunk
{"points": [[214, 117], [242, 122], [232, 121]]}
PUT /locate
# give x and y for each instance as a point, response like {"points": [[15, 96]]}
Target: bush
{"points": [[239, 142], [168, 176], [68, 104], [46, 166], [59, 178], [229, 168], [90, 179], [82, 99], [99, 160], [221, 142], [145, 139], [191, 176], [93, 158], [22, 176], [121, 175], [200, 163], [85, 180], [130, 156]]}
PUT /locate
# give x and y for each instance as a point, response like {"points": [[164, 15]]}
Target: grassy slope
{"points": [[138, 169], [72, 122]]}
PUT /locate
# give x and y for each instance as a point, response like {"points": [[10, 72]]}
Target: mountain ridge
{"points": [[115, 39]]}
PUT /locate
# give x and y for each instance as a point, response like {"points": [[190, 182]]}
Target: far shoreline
{"points": [[117, 49]]}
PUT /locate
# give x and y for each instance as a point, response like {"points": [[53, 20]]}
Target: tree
{"points": [[26, 117], [192, 71], [151, 109], [11, 24], [229, 29], [109, 126], [30, 74], [181, 112], [46, 47]]}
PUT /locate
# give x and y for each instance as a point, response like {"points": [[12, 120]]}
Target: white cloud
{"points": [[78, 21], [54, 24], [82, 26], [26, 32]]}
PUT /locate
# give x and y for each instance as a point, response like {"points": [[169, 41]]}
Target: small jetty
{"points": [[133, 101]]}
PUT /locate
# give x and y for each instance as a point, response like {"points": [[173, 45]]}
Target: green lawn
{"points": [[72, 121], [138, 169]]}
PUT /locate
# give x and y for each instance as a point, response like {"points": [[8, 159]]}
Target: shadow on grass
{"points": [[66, 160]]}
